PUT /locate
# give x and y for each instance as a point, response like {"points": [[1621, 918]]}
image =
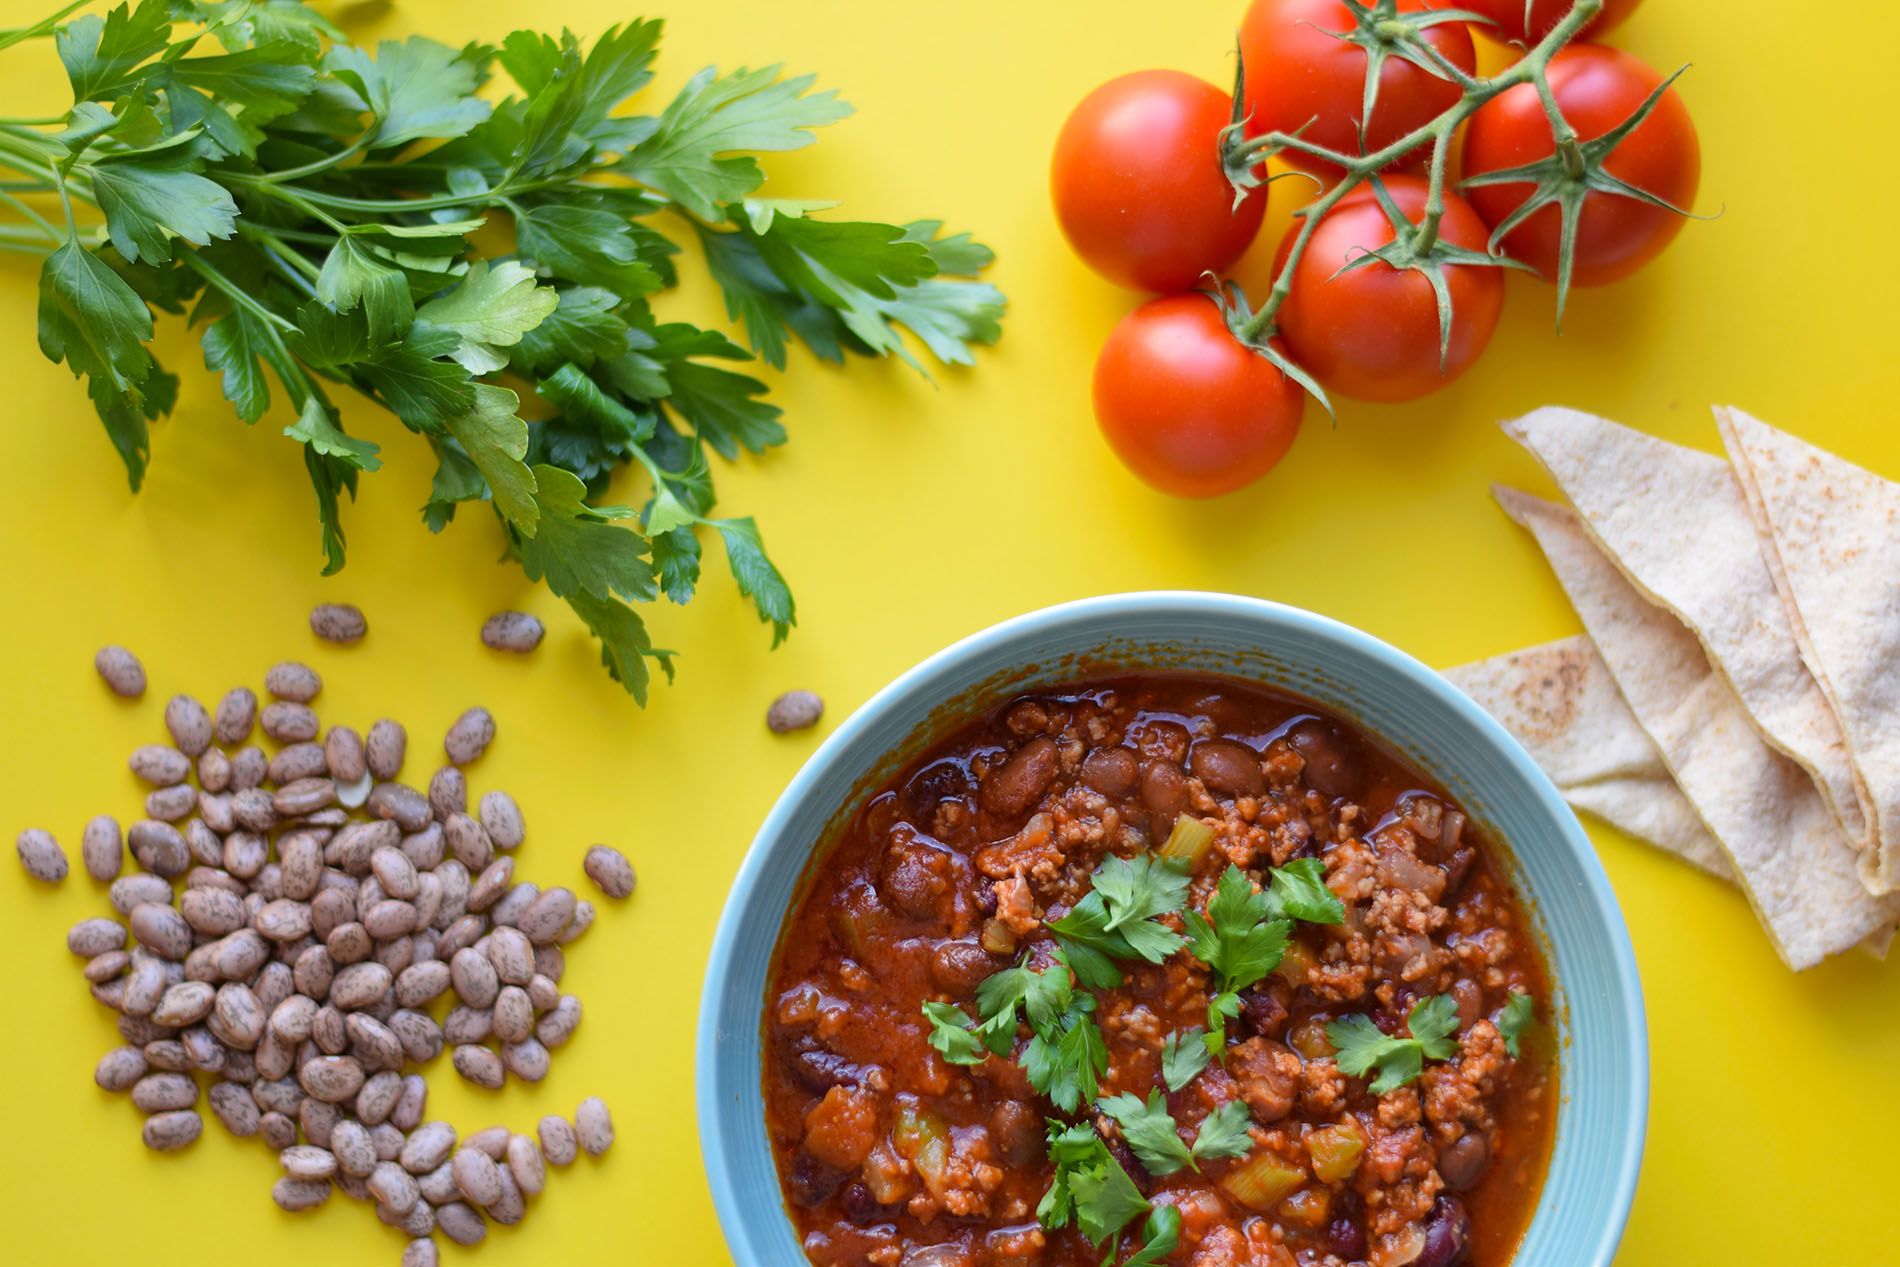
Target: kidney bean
{"points": [[1016, 1133], [936, 783], [1264, 1013], [1228, 767], [1014, 786], [1111, 771], [1164, 791], [1331, 769], [960, 966], [1447, 1234], [859, 1205], [1346, 1240], [1464, 1162], [812, 1181]]}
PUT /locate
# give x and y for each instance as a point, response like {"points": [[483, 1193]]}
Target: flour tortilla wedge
{"points": [[1559, 700], [1790, 855], [1676, 523], [1832, 532]]}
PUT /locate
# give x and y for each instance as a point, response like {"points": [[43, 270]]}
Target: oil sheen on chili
{"points": [[891, 1155]]}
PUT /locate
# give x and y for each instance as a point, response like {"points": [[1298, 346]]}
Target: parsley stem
{"points": [[323, 164], [43, 27], [195, 261], [45, 225]]}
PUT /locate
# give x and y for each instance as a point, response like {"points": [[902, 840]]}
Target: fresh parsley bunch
{"points": [[331, 215]]}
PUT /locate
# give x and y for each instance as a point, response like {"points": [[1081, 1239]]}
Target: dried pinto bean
{"points": [[610, 871], [338, 622]]}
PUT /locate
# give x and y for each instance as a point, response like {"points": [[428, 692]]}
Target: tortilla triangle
{"points": [[1832, 532], [1559, 700], [1790, 855], [1676, 523]]}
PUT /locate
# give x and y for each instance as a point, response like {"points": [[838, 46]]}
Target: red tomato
{"points": [[1596, 88], [1298, 72], [1186, 406], [1138, 186], [1373, 333], [1512, 28]]}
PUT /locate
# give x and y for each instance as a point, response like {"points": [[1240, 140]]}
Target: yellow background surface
{"points": [[906, 516]]}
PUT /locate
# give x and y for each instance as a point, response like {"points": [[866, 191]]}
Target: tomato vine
{"points": [[1574, 170]]}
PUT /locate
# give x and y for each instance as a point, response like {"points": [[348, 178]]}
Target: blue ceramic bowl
{"points": [[1604, 1052]]}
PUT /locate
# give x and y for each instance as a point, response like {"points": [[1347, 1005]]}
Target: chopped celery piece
{"points": [[1336, 1150], [1189, 842], [1263, 1182]]}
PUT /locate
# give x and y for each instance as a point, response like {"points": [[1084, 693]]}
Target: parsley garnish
{"points": [[1517, 1016], [1156, 1141], [1090, 1187], [1362, 1046], [371, 219], [1241, 939], [1299, 892], [1115, 920], [1066, 1059], [1183, 1055], [1160, 1234], [1243, 934], [1066, 1056]]}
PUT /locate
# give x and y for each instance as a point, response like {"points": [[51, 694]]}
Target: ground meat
{"points": [[1268, 1074], [842, 1127], [1323, 1089], [1016, 906], [1457, 1093], [1031, 852]]}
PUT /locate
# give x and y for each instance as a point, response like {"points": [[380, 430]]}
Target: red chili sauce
{"points": [[894, 1156]]}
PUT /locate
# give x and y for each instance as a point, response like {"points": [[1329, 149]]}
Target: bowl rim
{"points": [[1618, 955]]}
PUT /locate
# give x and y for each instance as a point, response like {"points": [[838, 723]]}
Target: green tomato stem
{"points": [[1532, 68]]}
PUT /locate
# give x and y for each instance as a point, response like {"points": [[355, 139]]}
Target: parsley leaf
{"points": [[1299, 889], [1241, 939], [100, 53], [1156, 1141], [353, 276], [1363, 1047], [951, 1035], [755, 576], [624, 645], [1183, 1055], [143, 199], [1518, 1015], [1065, 1060], [1150, 1131], [232, 347], [1160, 1234], [417, 88], [579, 548], [1090, 1188], [489, 310], [496, 441], [713, 117], [1223, 1133], [1115, 919], [316, 428]]}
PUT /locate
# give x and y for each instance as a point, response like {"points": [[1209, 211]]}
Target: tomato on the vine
{"points": [[1187, 406], [1373, 332], [1519, 22], [1138, 186], [1597, 88], [1299, 73]]}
